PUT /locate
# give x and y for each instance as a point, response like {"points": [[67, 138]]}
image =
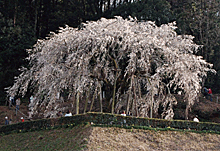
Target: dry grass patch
{"points": [[119, 139]]}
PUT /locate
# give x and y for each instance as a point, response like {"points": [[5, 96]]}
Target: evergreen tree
{"points": [[16, 35], [147, 10], [201, 19]]}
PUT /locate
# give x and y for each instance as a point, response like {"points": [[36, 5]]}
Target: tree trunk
{"points": [[135, 98], [87, 98], [113, 97], [77, 102], [187, 111], [100, 96], [15, 13], [109, 4], [129, 98], [114, 3], [151, 103], [101, 7], [93, 99], [35, 21]]}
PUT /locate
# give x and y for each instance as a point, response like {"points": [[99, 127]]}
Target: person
{"points": [[31, 103], [123, 113], [22, 119], [59, 114], [18, 102], [11, 98], [31, 99], [6, 120], [205, 92], [210, 94], [10, 121], [68, 113], [10, 103], [195, 119]]}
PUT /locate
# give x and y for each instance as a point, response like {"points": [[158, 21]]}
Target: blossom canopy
{"points": [[135, 63]]}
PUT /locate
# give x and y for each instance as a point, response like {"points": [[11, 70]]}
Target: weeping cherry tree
{"points": [[137, 64]]}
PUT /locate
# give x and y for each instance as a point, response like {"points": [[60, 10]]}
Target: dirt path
{"points": [[11, 114]]}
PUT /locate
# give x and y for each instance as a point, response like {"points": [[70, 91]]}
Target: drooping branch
{"points": [[130, 58]]}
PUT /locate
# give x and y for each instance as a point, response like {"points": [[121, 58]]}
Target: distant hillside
{"points": [[88, 138]]}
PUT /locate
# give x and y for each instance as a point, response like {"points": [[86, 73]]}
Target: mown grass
{"points": [[45, 140]]}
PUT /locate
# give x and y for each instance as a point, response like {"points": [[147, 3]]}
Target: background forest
{"points": [[22, 22]]}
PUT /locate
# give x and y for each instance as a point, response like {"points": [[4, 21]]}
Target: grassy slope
{"points": [[58, 139], [108, 139]]}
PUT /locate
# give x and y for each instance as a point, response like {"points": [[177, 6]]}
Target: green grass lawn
{"points": [[46, 140]]}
